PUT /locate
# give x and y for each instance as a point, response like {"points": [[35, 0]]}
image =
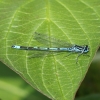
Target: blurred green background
{"points": [[13, 87]]}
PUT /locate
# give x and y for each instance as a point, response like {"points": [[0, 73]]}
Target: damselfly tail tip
{"points": [[15, 46], [12, 46]]}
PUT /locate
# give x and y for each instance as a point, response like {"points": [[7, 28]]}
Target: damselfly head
{"points": [[86, 49]]}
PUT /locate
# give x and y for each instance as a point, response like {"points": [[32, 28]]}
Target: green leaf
{"points": [[76, 22]]}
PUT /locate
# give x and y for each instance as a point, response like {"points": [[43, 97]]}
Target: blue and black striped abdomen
{"points": [[74, 48], [40, 48]]}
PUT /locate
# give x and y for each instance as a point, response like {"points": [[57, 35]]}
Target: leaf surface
{"points": [[77, 22]]}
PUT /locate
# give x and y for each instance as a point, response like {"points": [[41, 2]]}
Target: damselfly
{"points": [[72, 48]]}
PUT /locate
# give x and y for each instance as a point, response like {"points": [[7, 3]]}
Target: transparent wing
{"points": [[50, 41], [39, 54]]}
